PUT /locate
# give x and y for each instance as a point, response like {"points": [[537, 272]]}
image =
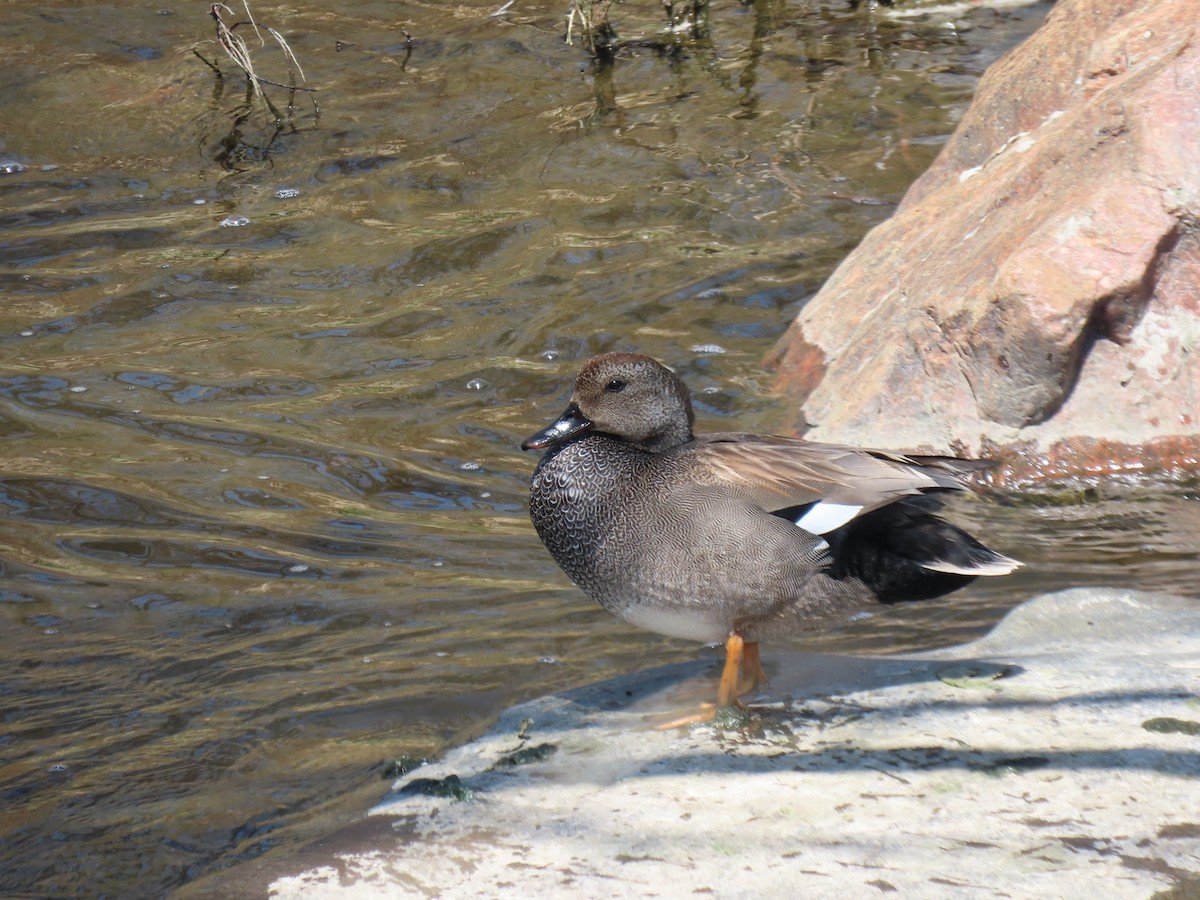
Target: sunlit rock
{"points": [[1054, 757], [1035, 296]]}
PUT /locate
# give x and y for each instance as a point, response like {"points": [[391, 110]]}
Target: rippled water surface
{"points": [[262, 511]]}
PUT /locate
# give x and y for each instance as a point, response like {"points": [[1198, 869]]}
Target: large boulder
{"points": [[1036, 296]]}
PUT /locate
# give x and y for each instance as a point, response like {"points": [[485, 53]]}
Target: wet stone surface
{"points": [[849, 774]]}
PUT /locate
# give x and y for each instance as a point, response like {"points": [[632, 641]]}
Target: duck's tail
{"points": [[903, 551]]}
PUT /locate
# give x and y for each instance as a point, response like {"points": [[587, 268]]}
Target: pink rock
{"points": [[1036, 296]]}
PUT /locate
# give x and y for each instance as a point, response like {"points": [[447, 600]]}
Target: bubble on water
{"points": [[143, 602], [234, 221], [287, 193], [548, 661], [28, 332], [77, 389], [11, 167], [476, 384], [708, 348], [297, 568], [549, 355], [470, 467]]}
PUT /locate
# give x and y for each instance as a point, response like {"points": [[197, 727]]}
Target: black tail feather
{"points": [[904, 552]]}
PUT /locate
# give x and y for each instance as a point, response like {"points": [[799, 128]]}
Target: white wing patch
{"points": [[824, 517]]}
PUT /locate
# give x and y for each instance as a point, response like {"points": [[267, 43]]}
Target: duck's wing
{"points": [[819, 486]]}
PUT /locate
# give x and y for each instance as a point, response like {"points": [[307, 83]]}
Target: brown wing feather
{"points": [[778, 472]]}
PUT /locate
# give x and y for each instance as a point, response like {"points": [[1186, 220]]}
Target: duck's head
{"points": [[628, 396]]}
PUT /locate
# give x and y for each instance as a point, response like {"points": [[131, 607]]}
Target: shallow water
{"points": [[263, 507]]}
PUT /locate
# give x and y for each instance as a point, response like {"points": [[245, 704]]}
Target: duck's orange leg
{"points": [[752, 674], [741, 657], [735, 648]]}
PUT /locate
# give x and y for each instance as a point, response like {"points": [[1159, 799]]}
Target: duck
{"points": [[731, 537]]}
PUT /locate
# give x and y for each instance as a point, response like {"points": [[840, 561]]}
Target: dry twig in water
{"points": [[235, 48]]}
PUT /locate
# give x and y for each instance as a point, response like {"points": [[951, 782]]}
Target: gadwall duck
{"points": [[735, 537]]}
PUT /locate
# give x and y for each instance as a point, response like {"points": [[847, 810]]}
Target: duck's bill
{"points": [[570, 423]]}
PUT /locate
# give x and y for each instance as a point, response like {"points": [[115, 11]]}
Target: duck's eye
{"points": [[615, 386]]}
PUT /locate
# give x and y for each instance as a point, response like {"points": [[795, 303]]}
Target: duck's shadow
{"points": [[825, 713]]}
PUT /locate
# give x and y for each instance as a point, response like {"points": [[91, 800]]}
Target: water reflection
{"points": [[264, 506]]}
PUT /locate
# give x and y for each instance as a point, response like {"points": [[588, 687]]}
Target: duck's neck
{"points": [[674, 434]]}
